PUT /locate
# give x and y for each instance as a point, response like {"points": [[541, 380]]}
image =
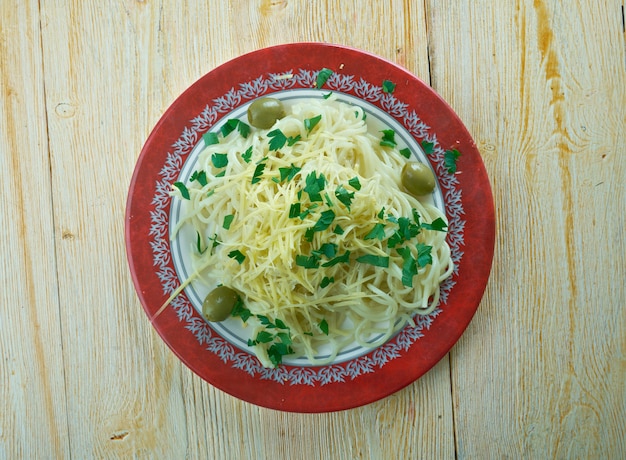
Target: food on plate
{"points": [[307, 233]]}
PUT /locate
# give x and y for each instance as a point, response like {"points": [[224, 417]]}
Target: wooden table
{"points": [[539, 373]]}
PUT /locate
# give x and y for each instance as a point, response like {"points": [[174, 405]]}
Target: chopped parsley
{"points": [[292, 140], [237, 255], [239, 310], [344, 258], [314, 185], [322, 77], [307, 261], [227, 221], [276, 334], [233, 124], [409, 266], [438, 225], [294, 210], [199, 176], [324, 326], [406, 153], [338, 230], [449, 160], [326, 218], [327, 281], [423, 254], [288, 173], [376, 233], [219, 160], [278, 139], [210, 138], [428, 147], [258, 171], [355, 183], [247, 155], [311, 123], [199, 244], [372, 259], [344, 196], [327, 249], [388, 139], [388, 86], [184, 192]]}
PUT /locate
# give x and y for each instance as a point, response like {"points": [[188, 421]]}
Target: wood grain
{"points": [[540, 372], [32, 377]]}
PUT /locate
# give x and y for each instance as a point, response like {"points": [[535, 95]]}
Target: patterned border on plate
{"points": [[190, 136]]}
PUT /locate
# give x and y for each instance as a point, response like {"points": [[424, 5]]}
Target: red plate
{"points": [[423, 115]]}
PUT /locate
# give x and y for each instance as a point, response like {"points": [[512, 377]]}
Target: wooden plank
{"points": [[33, 421], [542, 86], [104, 92]]}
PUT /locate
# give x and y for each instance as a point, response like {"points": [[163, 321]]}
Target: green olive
{"points": [[219, 303], [264, 112], [417, 178]]}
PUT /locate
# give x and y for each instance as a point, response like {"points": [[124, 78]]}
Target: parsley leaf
{"points": [[199, 243], [219, 160], [288, 173], [376, 233], [263, 337], [199, 176], [423, 255], [372, 259], [258, 172], [355, 183], [310, 123], [406, 153], [184, 192], [388, 86], [344, 196], [278, 140], [276, 352], [345, 257], [338, 230], [307, 261], [314, 184], [327, 249], [247, 155], [292, 140], [326, 281], [326, 218], [409, 267], [240, 310], [243, 128], [324, 326], [210, 138], [294, 210], [227, 221], [215, 243], [322, 76], [428, 147], [438, 225], [388, 139], [406, 231], [233, 124], [237, 255], [449, 160]]}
